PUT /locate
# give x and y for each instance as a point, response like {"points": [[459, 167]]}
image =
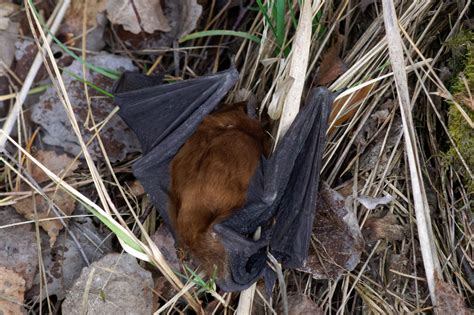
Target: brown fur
{"points": [[209, 179]]}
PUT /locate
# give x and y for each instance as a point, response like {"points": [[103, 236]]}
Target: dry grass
{"points": [[391, 278]]}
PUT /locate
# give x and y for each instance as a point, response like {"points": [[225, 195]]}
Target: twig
{"points": [[246, 301]]}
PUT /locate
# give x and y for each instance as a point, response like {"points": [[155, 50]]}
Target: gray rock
{"points": [[18, 249], [50, 114], [63, 262], [116, 284]]}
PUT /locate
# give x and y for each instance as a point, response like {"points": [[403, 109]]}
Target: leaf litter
{"points": [[337, 245]]}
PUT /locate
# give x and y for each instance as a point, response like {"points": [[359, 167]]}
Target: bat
{"points": [[177, 124], [210, 176]]}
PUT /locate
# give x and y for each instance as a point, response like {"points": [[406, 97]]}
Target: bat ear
{"points": [[154, 111]]}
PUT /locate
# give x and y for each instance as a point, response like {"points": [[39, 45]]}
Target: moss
{"points": [[462, 134]]}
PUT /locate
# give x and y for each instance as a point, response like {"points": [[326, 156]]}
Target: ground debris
{"points": [[49, 113], [181, 16], [384, 227], [18, 249], [338, 240], [60, 164], [450, 301], [116, 284], [138, 15], [332, 66], [12, 292], [63, 262], [39, 208], [72, 27], [8, 34], [300, 304]]}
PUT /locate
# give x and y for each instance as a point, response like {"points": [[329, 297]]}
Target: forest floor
{"points": [[393, 229]]}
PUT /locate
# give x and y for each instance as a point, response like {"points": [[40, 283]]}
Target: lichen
{"points": [[459, 129]]}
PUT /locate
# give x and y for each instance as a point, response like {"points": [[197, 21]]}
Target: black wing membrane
{"points": [[156, 112], [163, 117], [282, 194], [281, 200]]}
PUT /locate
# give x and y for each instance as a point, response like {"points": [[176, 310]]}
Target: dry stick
{"points": [[423, 220], [299, 64], [20, 99]]}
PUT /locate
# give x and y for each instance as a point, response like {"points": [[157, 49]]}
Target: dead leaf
{"points": [[332, 65], [60, 198], [8, 36], [12, 292], [182, 17], [136, 188], [18, 248], [72, 26], [371, 203], [49, 112], [384, 227], [6, 9], [380, 116], [61, 165], [336, 118], [449, 301], [339, 241], [301, 304], [138, 15]]}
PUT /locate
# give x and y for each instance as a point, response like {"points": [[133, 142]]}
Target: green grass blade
{"points": [[279, 12], [219, 33], [264, 8], [92, 85]]}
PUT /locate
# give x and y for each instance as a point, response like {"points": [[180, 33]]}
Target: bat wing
{"points": [[154, 112], [281, 200], [163, 117]]}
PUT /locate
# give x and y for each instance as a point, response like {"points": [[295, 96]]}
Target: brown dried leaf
{"points": [[353, 100], [74, 16], [332, 65], [182, 17], [60, 198], [12, 292], [136, 188], [72, 27], [301, 304], [138, 15], [61, 165], [385, 227], [338, 243], [449, 301], [6, 9], [18, 248]]}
